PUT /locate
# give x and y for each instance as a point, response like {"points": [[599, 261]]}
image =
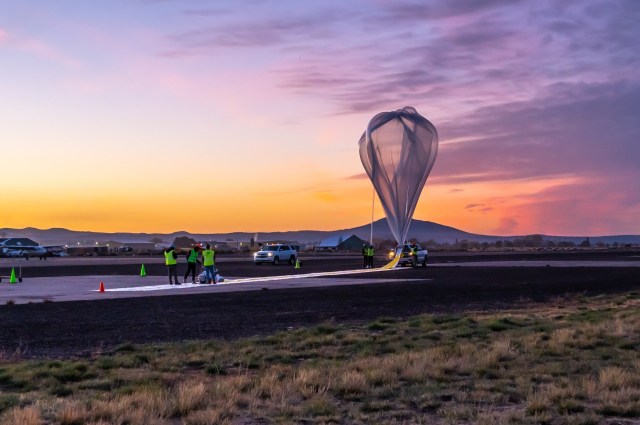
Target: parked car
{"points": [[275, 254], [407, 259]]}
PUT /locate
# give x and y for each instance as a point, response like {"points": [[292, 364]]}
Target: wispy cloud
{"points": [[534, 90], [480, 208], [46, 51], [486, 54], [536, 101], [360, 176], [253, 31], [206, 13], [508, 226], [571, 128], [601, 207]]}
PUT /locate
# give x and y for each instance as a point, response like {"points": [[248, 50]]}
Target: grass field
{"points": [[572, 361]]}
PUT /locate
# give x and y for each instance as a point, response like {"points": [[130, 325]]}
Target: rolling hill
{"points": [[421, 230]]}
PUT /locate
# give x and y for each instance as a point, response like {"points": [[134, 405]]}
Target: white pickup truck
{"points": [[407, 259]]}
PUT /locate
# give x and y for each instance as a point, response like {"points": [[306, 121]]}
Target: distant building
{"points": [[17, 242], [349, 243], [130, 248], [294, 244], [87, 251]]}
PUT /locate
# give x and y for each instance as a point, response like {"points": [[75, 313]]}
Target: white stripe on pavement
{"points": [[247, 280]]}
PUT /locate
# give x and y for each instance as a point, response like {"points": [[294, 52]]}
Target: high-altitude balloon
{"points": [[397, 151]]}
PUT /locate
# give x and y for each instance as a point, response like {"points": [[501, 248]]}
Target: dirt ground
{"points": [[81, 328]]}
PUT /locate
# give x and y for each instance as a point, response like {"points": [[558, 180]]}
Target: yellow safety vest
{"points": [[193, 256], [168, 257], [370, 251], [207, 257]]}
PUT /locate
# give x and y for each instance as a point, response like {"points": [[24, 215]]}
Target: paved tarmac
{"points": [[261, 300], [536, 263], [72, 288]]}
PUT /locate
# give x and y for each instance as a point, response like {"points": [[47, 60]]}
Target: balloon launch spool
{"points": [[398, 150]]}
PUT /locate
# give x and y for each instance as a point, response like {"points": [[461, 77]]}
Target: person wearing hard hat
{"points": [[209, 261], [171, 260]]}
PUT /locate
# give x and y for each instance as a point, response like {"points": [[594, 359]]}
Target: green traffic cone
{"points": [[13, 279], [297, 264], [143, 273]]}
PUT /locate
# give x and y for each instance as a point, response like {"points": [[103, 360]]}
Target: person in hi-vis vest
{"points": [[370, 252], [192, 260], [171, 260], [208, 261], [365, 255], [414, 255]]}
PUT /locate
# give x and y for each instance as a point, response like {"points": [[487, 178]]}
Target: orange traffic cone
{"points": [[101, 287]]}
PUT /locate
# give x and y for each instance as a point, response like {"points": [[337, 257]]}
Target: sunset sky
{"points": [[220, 116]]}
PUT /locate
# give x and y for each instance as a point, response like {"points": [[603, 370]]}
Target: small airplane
{"points": [[23, 247]]}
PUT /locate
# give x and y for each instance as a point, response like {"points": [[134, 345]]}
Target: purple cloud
{"points": [[382, 56], [419, 11], [519, 90], [256, 30], [481, 208], [585, 129], [472, 206], [359, 176], [603, 207], [508, 226]]}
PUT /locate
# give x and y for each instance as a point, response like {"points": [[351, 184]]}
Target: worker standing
{"points": [[370, 252], [192, 260], [171, 260], [414, 255], [208, 261], [365, 255]]}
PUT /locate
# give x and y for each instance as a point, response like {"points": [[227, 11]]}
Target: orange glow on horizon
{"points": [[317, 205]]}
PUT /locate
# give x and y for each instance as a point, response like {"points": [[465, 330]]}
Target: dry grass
{"points": [[24, 416], [571, 364], [351, 384], [73, 413], [189, 396], [309, 383], [613, 378]]}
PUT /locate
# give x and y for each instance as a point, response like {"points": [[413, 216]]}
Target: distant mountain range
{"points": [[420, 230]]}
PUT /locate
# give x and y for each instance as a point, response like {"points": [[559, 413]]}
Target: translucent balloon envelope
{"points": [[397, 151]]}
